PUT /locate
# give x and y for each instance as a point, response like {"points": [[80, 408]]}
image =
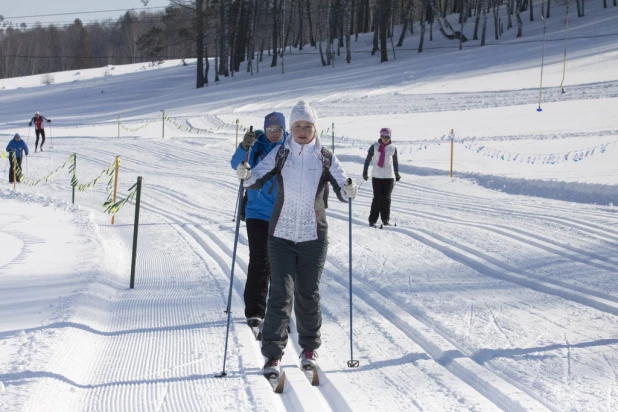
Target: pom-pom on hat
{"points": [[304, 112], [274, 119], [385, 131]]}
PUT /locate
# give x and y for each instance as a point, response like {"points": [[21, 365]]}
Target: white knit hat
{"points": [[304, 112]]}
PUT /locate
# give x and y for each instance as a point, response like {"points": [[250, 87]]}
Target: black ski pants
{"points": [[11, 161], [40, 132], [258, 273], [381, 204], [295, 279]]}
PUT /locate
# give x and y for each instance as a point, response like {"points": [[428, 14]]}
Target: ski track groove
{"points": [[213, 250], [549, 246], [364, 308], [471, 378], [495, 388], [214, 246], [527, 237], [498, 400], [599, 231], [478, 204], [293, 372], [489, 266], [470, 201], [122, 387]]}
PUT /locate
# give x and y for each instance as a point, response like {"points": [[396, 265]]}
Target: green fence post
{"points": [[74, 175], [135, 227]]}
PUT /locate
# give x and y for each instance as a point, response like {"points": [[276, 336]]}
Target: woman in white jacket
{"points": [[383, 157], [298, 240]]}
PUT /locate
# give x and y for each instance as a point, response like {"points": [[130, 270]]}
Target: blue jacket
{"points": [[260, 202], [17, 147]]}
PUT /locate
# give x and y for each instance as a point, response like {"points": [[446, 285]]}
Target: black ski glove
{"points": [[30, 124], [397, 177], [48, 120], [248, 140], [365, 176]]}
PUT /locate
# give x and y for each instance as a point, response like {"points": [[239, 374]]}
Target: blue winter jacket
{"points": [[260, 202], [17, 147]]}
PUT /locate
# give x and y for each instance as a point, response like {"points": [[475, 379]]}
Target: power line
{"points": [[81, 12]]}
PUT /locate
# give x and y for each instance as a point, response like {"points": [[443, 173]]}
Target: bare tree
{"points": [[424, 7], [484, 31], [518, 18]]}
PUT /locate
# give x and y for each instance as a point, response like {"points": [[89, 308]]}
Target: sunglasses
{"points": [[274, 129]]}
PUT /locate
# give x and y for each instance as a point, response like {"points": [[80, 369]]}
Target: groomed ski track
{"points": [[419, 347]]}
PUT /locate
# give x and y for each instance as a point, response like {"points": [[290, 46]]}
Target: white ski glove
{"points": [[350, 188], [243, 171]]}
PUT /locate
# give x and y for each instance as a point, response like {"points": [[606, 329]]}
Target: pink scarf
{"points": [[382, 150]]}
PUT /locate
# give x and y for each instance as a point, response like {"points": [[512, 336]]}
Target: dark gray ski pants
{"points": [[295, 271]]}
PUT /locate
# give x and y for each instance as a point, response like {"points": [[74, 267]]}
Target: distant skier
{"points": [[298, 240], [38, 129], [16, 149], [257, 145], [384, 173]]}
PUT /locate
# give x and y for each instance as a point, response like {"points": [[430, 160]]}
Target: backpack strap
{"points": [[282, 155], [327, 159]]}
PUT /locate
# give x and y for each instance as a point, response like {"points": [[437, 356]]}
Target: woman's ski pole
{"points": [[351, 363], [229, 296]]}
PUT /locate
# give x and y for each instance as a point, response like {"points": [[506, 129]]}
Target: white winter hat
{"points": [[304, 112]]}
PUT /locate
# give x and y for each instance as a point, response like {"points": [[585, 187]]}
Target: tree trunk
{"points": [[275, 33], [385, 14], [376, 33], [496, 15], [311, 37], [477, 20], [347, 29], [224, 44], [412, 16], [217, 61], [199, 46], [406, 19], [463, 20], [423, 23], [301, 27], [531, 13], [207, 66], [484, 31], [330, 56], [519, 21]]}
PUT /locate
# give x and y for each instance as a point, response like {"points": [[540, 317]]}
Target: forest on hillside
{"points": [[230, 32]]}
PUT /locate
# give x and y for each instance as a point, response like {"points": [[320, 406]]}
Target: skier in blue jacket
{"points": [[253, 149], [16, 148]]}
